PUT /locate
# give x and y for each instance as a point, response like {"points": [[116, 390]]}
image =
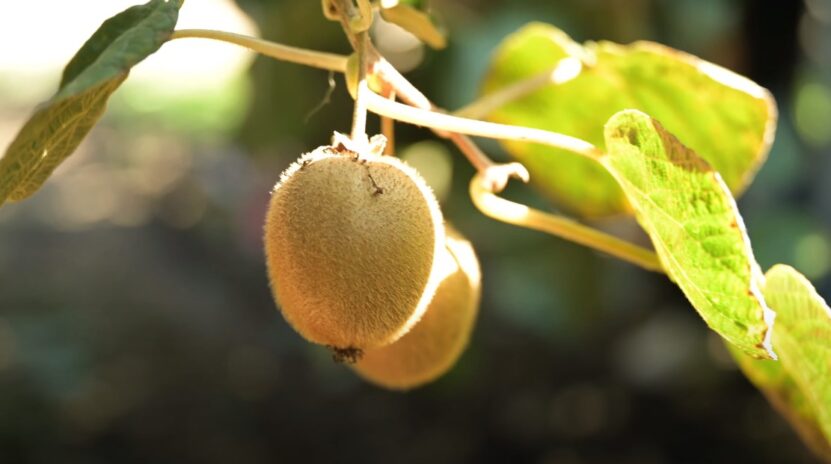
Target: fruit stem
{"points": [[520, 215], [359, 113], [382, 106], [356, 23], [315, 59]]}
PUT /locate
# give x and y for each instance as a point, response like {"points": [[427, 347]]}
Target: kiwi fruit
{"points": [[351, 241], [434, 345]]}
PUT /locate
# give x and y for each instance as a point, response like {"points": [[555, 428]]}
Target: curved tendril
{"points": [[520, 215]]}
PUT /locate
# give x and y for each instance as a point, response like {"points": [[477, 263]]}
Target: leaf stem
{"points": [[517, 214], [315, 59], [382, 106], [566, 70]]}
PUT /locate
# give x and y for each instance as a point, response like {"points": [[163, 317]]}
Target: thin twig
{"points": [[382, 106], [517, 214], [315, 59], [566, 70]]}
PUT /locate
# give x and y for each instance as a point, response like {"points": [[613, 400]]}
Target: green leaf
{"points": [[799, 386], [692, 219], [415, 19], [60, 124], [727, 119]]}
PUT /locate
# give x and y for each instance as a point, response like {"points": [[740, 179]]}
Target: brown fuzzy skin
{"points": [[349, 245], [434, 345]]}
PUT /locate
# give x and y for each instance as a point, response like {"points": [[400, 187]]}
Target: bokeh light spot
{"points": [[812, 111]]}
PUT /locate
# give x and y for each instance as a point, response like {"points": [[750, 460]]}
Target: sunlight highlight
{"points": [[64, 26]]}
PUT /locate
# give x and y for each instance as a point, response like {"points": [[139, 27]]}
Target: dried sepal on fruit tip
{"points": [[434, 345], [350, 241]]}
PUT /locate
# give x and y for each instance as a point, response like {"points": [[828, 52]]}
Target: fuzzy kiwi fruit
{"points": [[431, 348], [351, 241]]}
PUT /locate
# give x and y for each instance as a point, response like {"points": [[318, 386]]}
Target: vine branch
{"points": [[422, 112], [359, 113], [491, 177], [315, 59]]}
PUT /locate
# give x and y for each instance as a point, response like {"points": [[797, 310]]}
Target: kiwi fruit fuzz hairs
{"points": [[437, 341], [351, 241]]}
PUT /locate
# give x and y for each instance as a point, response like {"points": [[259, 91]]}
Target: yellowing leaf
{"points": [[728, 120], [694, 224], [803, 336], [784, 395], [59, 125], [799, 386]]}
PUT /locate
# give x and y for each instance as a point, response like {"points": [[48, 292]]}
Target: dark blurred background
{"points": [[136, 323]]}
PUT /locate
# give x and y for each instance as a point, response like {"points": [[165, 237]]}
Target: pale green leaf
{"points": [[692, 219], [60, 124], [799, 386], [727, 119]]}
